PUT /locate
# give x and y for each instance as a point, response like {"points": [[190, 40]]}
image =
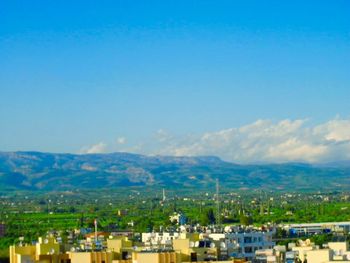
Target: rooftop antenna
{"points": [[218, 223]]}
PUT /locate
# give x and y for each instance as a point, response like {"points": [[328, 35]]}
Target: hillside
{"points": [[48, 171]]}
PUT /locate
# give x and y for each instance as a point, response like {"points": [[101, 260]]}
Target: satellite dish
{"points": [[46, 241], [222, 245], [52, 251], [212, 245], [196, 244], [72, 249], [192, 244]]}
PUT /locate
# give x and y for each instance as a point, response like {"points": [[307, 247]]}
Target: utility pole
{"points": [[218, 219], [48, 210], [262, 210]]}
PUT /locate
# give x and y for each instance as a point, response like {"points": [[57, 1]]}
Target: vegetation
{"points": [[143, 209]]}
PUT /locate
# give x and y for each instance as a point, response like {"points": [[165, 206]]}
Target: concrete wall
{"points": [[302, 251], [17, 254], [318, 256], [78, 257], [165, 257], [338, 246]]}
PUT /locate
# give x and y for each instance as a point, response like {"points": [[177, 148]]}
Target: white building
{"points": [[244, 244], [159, 238], [317, 228]]}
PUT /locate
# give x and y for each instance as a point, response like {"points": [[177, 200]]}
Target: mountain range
{"points": [[58, 172]]}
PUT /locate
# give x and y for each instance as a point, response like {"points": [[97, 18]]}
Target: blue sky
{"points": [[75, 74]]}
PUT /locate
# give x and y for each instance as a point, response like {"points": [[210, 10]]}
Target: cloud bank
{"points": [[267, 141], [261, 141]]}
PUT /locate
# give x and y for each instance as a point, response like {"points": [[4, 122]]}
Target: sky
{"points": [[248, 81]]}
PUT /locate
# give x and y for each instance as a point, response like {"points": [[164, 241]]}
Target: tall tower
{"points": [[218, 219], [95, 223], [164, 197]]}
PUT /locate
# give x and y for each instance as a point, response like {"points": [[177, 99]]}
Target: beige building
{"points": [[196, 250], [92, 257], [328, 256], [190, 248], [45, 251], [337, 252], [156, 257]]}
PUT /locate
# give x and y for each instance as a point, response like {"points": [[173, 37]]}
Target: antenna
{"points": [[218, 223]]}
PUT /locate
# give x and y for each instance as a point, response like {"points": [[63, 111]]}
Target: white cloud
{"points": [[335, 130], [162, 136], [100, 147], [266, 141], [121, 140], [261, 141]]}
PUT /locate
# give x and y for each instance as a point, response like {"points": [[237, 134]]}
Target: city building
{"points": [[159, 238], [317, 228], [244, 242], [158, 248], [306, 251], [44, 251], [192, 250]]}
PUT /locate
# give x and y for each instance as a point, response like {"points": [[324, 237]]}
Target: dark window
{"points": [[125, 255], [247, 240], [248, 250], [193, 257]]}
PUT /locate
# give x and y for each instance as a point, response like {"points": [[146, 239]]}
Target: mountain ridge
{"points": [[32, 170]]}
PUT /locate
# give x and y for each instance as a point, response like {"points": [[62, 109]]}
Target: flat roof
{"points": [[319, 224]]}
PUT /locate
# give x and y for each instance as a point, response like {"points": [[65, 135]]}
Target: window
{"points": [[125, 255], [248, 250], [193, 257], [247, 240]]}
